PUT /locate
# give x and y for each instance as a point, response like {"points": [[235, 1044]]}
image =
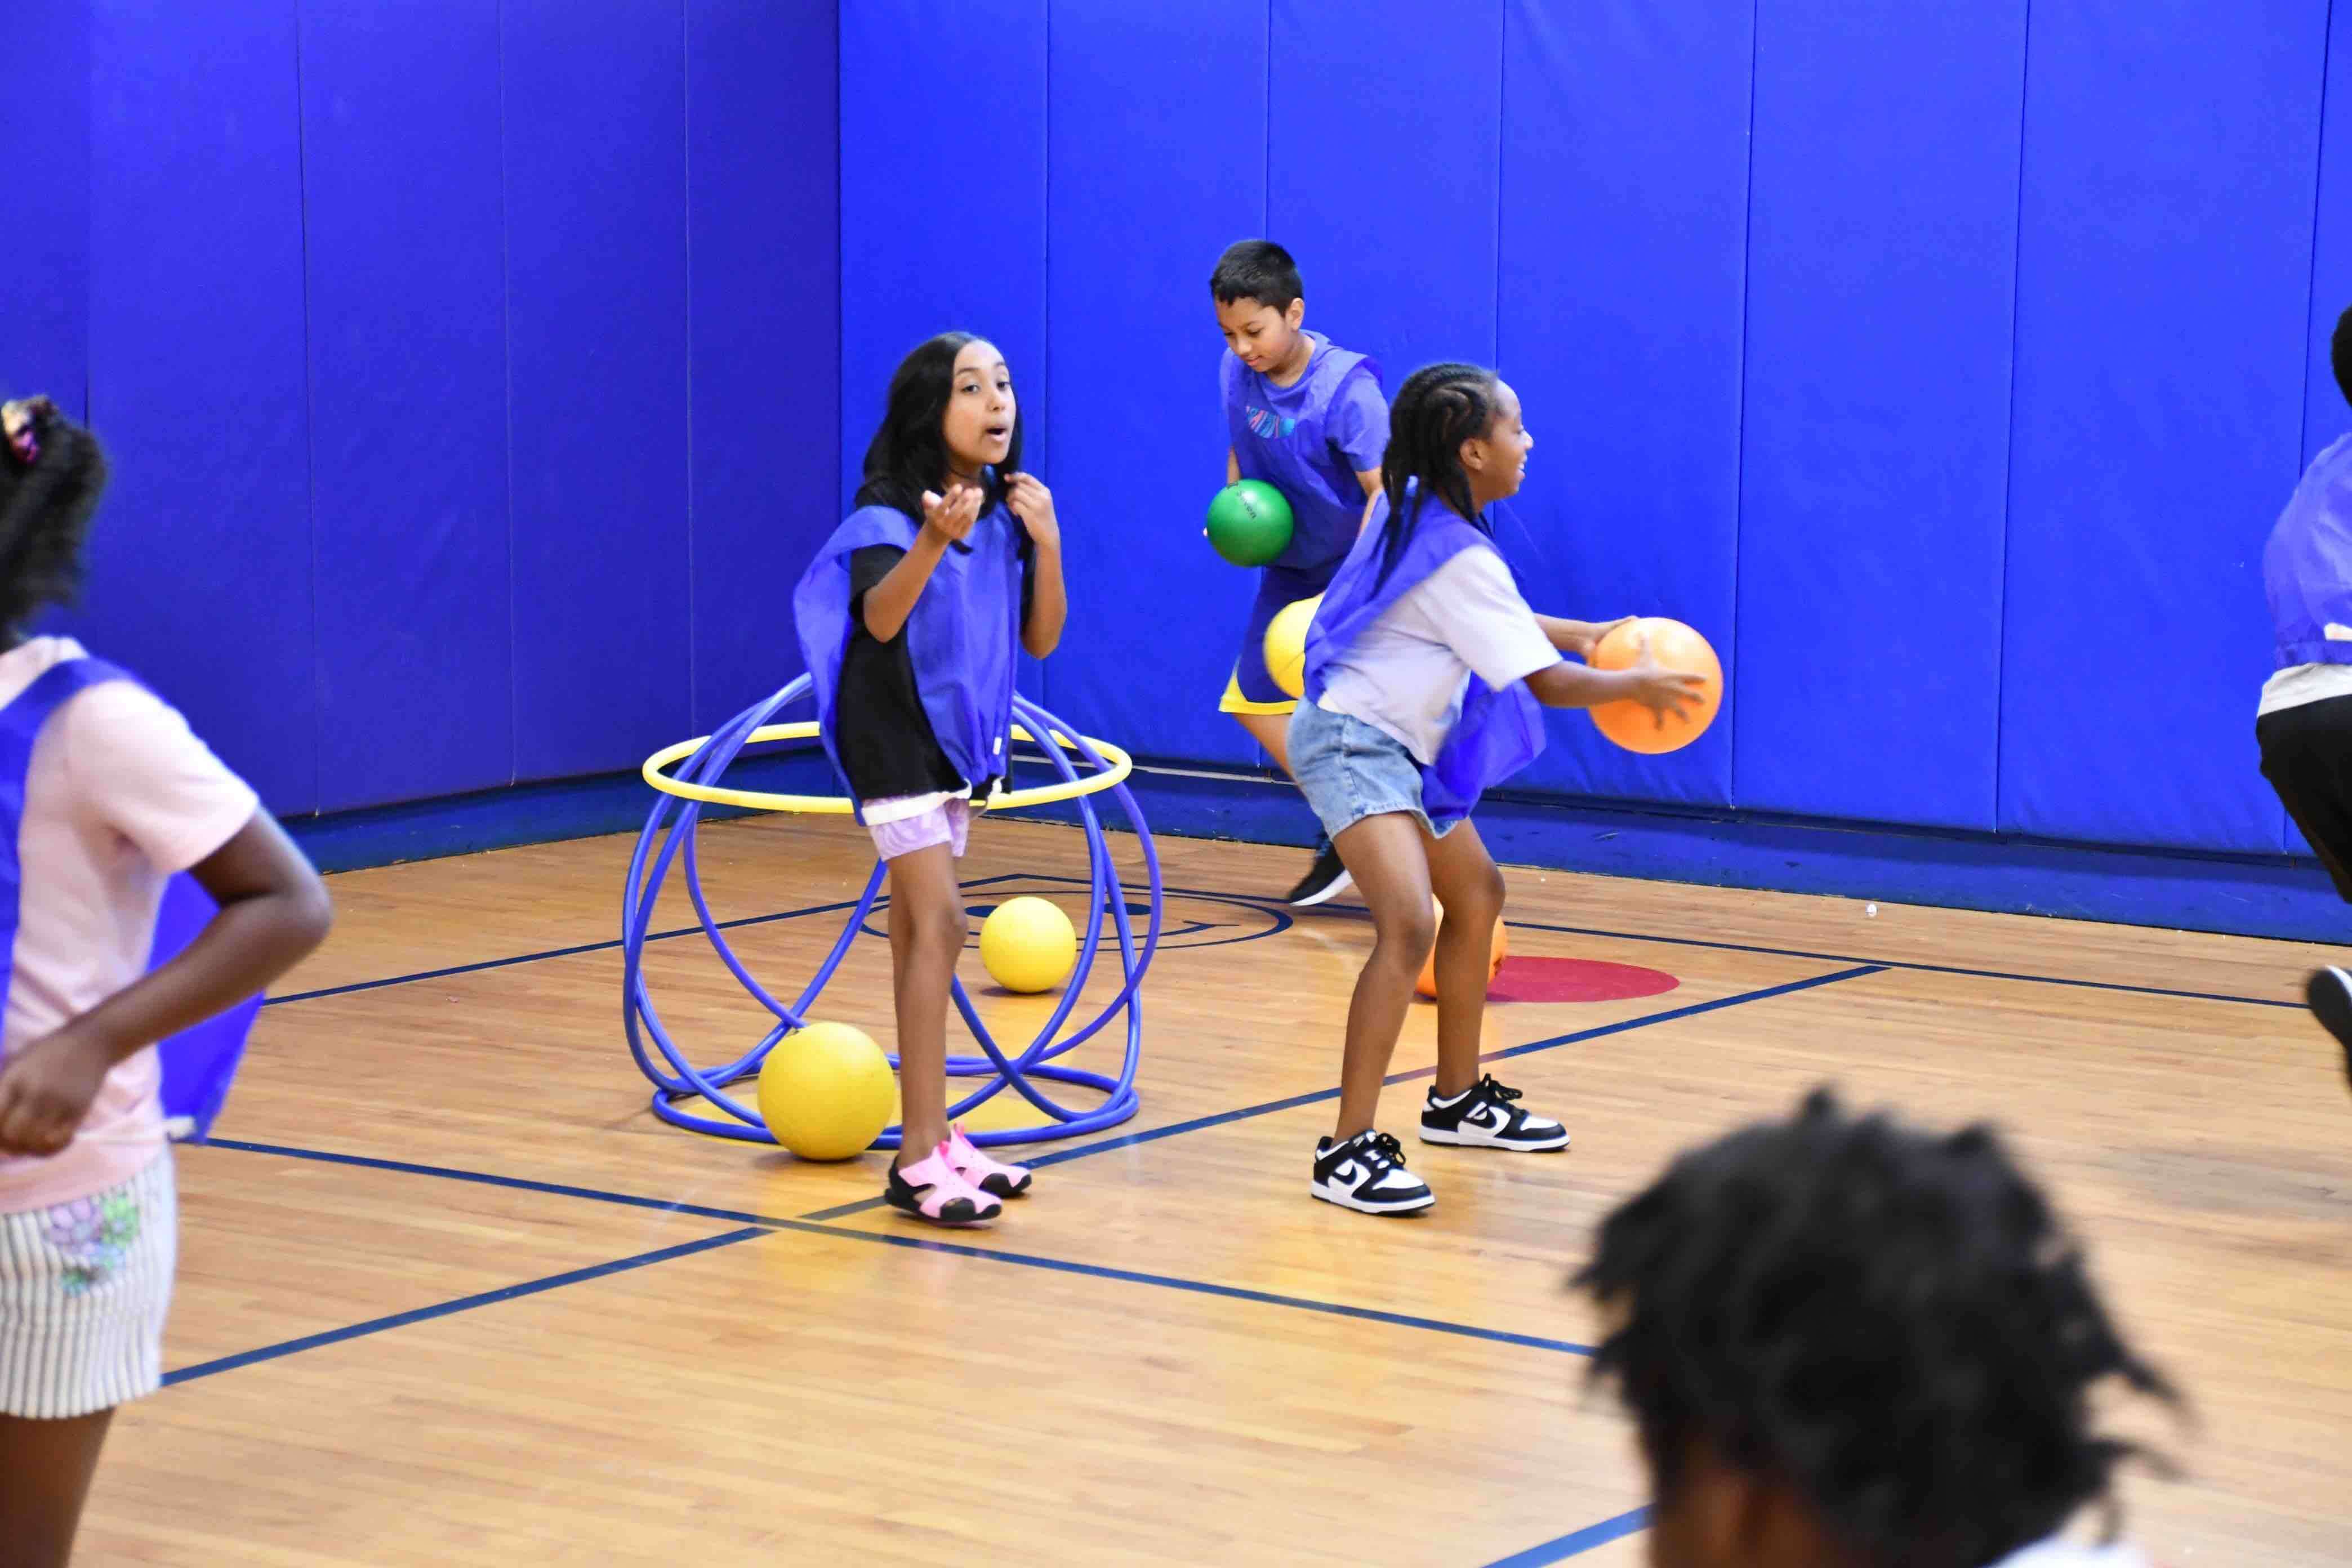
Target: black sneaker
{"points": [[2329, 993], [1327, 879], [1367, 1174], [1483, 1117]]}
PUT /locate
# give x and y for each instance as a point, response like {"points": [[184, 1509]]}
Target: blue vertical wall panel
{"points": [[2325, 416], [942, 198], [2164, 261], [45, 288], [1624, 183], [763, 155], [408, 345], [200, 570], [596, 229], [1157, 164], [1385, 123], [1874, 437]]}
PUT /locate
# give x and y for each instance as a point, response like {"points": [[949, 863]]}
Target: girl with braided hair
{"points": [[1425, 670]]}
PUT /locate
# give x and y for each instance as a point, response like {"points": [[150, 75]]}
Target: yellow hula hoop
{"points": [[1121, 765]]}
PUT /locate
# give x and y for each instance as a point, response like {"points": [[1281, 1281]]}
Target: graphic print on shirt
{"points": [[1266, 424]]}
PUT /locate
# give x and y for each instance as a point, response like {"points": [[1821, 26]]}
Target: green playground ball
{"points": [[1249, 522]]}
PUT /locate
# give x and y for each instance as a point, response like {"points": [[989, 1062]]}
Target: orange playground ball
{"points": [[1427, 984], [1674, 646]]}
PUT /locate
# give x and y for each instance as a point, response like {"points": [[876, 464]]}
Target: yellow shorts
{"points": [[1234, 702]]}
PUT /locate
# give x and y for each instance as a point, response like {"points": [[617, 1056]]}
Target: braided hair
{"points": [[50, 480], [1890, 1323], [1438, 407]]}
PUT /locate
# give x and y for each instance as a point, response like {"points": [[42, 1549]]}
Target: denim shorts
{"points": [[1350, 771]]}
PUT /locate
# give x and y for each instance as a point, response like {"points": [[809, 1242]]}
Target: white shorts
{"points": [[84, 1289]]}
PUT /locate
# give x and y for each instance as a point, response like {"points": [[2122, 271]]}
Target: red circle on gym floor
{"points": [[1575, 980]]}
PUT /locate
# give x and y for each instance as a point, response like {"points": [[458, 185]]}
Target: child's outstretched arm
{"points": [[1233, 467], [946, 519], [273, 911], [1661, 691], [1577, 637], [1049, 603]]}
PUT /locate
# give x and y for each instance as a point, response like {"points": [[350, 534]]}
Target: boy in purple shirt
{"points": [[1309, 418]]}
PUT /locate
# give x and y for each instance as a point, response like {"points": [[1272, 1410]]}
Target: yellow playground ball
{"points": [[1285, 644], [827, 1092], [1028, 945]]}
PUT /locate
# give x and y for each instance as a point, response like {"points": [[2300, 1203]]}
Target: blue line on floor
{"points": [[1201, 1287], [1769, 951], [1582, 1541], [463, 1304], [518, 1183], [759, 1225], [590, 947], [1223, 1118]]}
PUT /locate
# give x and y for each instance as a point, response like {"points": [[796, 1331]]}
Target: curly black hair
{"points": [[1890, 1323], [45, 513]]}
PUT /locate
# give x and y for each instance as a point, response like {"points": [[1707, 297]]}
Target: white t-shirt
{"points": [[119, 794], [1405, 675], [2300, 683]]}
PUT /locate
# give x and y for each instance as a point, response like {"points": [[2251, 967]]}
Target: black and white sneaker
{"points": [[2329, 993], [1367, 1174], [1485, 1117], [1327, 879]]}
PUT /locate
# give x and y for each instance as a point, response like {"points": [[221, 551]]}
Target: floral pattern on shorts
{"points": [[95, 1235]]}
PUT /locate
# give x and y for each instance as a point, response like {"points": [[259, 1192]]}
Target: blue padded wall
{"points": [[200, 564], [943, 212], [45, 291], [761, 118], [1138, 431], [596, 299], [1875, 430], [402, 210], [1383, 170], [1624, 199], [2163, 269], [2325, 416]]}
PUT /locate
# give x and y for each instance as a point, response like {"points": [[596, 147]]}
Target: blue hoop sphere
{"points": [[673, 824]]}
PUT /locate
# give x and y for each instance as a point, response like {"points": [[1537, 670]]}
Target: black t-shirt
{"points": [[887, 743]]}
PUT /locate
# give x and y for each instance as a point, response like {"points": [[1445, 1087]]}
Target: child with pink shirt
{"points": [[104, 795]]}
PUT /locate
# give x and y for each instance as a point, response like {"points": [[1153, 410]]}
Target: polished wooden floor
{"points": [[451, 1295]]}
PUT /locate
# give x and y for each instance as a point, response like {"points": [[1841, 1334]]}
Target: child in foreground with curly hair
{"points": [[1850, 1344]]}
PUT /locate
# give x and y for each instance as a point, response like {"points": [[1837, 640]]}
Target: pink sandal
{"points": [[973, 1166], [930, 1189]]}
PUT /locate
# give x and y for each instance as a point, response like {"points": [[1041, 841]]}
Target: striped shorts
{"points": [[84, 1288]]}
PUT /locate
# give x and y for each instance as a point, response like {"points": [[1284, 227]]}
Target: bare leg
{"points": [[45, 1473], [1384, 854], [1464, 876], [927, 933], [1271, 730]]}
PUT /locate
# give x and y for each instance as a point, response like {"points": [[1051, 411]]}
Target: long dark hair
{"points": [[45, 510], [908, 453], [1438, 407]]}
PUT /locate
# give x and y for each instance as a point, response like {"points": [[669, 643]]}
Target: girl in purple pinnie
{"points": [[1424, 673]]}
